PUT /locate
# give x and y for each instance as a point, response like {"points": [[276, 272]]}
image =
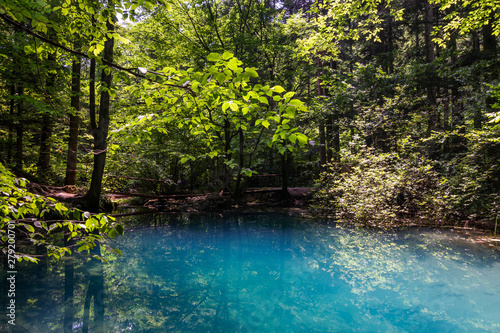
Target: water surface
{"points": [[265, 273]]}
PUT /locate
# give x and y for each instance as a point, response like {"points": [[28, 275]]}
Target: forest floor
{"points": [[254, 199]]}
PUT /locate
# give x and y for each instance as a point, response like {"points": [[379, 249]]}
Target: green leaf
{"points": [[213, 57], [302, 138], [252, 72], [233, 106], [278, 89], [226, 55], [296, 102]]}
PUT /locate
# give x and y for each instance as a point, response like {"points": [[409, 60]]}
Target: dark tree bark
{"points": [[72, 161], [100, 130]]}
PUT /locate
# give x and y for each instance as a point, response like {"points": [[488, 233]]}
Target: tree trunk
{"points": [[322, 147], [100, 132], [19, 130], [429, 58], [72, 161], [227, 153], [47, 127], [241, 162], [284, 176], [12, 107]]}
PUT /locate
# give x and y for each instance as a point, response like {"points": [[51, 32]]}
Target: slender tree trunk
{"points": [[72, 160], [47, 127], [322, 146], [329, 139], [20, 129], [429, 58], [489, 39], [241, 162], [336, 142], [322, 131], [12, 108], [227, 153], [490, 50], [284, 175], [100, 132]]}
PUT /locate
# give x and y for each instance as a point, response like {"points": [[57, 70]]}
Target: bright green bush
{"points": [[380, 188], [23, 223]]}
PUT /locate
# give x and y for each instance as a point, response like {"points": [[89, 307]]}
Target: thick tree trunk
{"points": [[100, 132], [72, 161]]}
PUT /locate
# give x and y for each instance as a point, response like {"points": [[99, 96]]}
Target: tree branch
{"points": [[81, 54]]}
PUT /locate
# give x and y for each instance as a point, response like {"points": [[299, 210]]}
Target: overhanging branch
{"points": [[131, 71]]}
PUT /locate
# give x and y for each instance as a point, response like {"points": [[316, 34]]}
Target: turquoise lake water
{"points": [[265, 273]]}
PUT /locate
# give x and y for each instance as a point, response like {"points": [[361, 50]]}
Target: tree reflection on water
{"points": [[268, 273]]}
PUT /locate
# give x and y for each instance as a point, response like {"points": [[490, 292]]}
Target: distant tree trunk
{"points": [[284, 175], [72, 161], [329, 139], [489, 39], [322, 130], [100, 132], [476, 45], [47, 127], [19, 129], [429, 58], [12, 108], [490, 50], [336, 142], [241, 161], [322, 146], [227, 153]]}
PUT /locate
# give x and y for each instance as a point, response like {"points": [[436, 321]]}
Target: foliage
{"points": [[43, 222], [380, 188]]}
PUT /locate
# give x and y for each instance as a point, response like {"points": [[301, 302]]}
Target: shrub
{"points": [[380, 188]]}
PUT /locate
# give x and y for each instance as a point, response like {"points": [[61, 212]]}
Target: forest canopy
{"points": [[389, 109]]}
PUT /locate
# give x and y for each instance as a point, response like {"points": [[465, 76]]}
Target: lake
{"points": [[264, 273]]}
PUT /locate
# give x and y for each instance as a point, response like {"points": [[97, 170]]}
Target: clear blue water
{"points": [[266, 273]]}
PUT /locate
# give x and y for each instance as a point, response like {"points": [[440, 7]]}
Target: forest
{"points": [[388, 110]]}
